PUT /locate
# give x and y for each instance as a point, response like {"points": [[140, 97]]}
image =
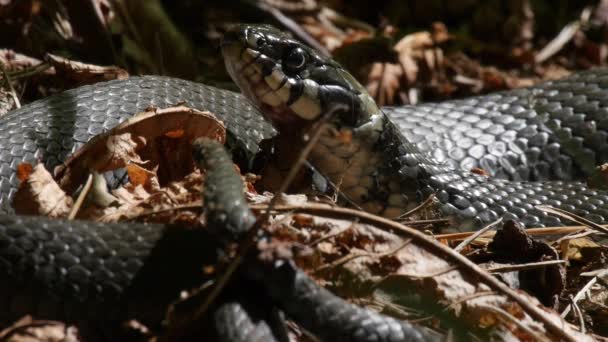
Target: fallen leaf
{"points": [[139, 140], [83, 72], [138, 175], [24, 170], [30, 330], [39, 194], [571, 248]]}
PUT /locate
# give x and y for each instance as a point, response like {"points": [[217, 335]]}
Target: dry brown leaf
{"points": [[139, 176], [24, 170], [571, 248], [139, 140], [156, 203], [29, 330], [41, 195], [388, 83], [178, 133], [154, 147], [83, 72], [302, 220], [384, 82], [13, 61], [425, 268], [122, 150]]}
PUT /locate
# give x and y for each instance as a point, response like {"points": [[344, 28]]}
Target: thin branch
{"points": [[553, 327], [579, 295], [478, 233], [524, 267], [11, 89], [572, 217], [81, 197]]}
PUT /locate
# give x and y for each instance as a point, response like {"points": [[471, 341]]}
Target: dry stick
{"points": [[426, 222], [30, 71], [83, 194], [421, 206], [10, 87], [530, 231], [319, 128], [513, 320], [524, 267], [192, 205], [293, 27], [575, 235], [478, 233], [572, 217], [563, 37], [579, 295], [579, 314], [434, 246]]}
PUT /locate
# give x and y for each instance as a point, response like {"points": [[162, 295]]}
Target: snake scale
{"points": [[393, 160]]}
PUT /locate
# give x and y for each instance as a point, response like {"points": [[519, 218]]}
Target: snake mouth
{"points": [[246, 69]]}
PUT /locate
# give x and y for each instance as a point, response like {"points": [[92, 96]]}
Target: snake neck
{"points": [[374, 166]]}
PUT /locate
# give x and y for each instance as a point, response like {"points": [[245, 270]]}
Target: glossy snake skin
{"points": [[555, 130]]}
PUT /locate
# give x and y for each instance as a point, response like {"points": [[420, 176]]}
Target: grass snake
{"points": [[391, 160]]}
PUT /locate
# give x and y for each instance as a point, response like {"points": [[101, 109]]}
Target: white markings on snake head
{"points": [[307, 106]]}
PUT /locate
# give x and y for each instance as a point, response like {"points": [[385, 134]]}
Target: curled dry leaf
{"points": [[39, 194], [154, 148], [139, 175], [83, 72], [389, 82], [139, 140], [384, 82], [24, 170], [12, 61], [29, 330]]}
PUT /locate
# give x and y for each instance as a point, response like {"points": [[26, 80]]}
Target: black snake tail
{"points": [[225, 206]]}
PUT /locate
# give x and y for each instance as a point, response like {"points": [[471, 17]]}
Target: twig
{"points": [[530, 231], [223, 279], [425, 222], [579, 295], [511, 319], [318, 129], [478, 233], [193, 205], [523, 267], [552, 326], [572, 217], [575, 235], [30, 71], [293, 27], [579, 314], [421, 206], [81, 197], [564, 36], [250, 239], [10, 87]]}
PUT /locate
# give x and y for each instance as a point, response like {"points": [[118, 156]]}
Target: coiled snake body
{"points": [[555, 130]]}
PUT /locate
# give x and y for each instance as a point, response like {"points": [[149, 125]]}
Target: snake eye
{"points": [[295, 59], [260, 42]]}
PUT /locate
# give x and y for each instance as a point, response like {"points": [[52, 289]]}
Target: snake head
{"points": [[291, 82]]}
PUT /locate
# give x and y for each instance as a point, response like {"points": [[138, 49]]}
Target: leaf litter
{"points": [[364, 258]]}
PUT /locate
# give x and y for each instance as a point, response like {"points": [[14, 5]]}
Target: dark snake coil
{"points": [[83, 271]]}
